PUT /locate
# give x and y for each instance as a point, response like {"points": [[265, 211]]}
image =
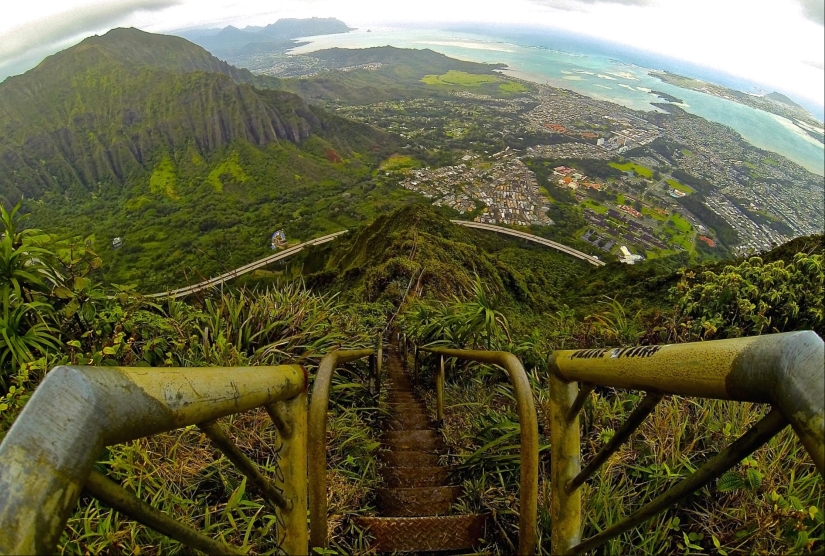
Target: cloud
{"points": [[43, 34], [579, 4], [814, 10]]}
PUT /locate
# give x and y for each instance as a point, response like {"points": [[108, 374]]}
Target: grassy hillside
{"points": [[414, 270]]}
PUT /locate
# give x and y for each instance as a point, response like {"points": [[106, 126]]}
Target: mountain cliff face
{"points": [[101, 110]]}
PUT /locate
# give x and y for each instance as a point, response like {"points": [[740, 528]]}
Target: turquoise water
{"points": [[597, 76]]}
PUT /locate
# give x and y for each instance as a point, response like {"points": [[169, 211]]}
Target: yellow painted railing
{"points": [[528, 423], [319, 405], [783, 370], [47, 457]]}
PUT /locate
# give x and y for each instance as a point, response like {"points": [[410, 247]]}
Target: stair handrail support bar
{"points": [[783, 370], [317, 434], [48, 455], [529, 437]]}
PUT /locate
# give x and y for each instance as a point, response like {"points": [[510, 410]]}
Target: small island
{"points": [[666, 97]]}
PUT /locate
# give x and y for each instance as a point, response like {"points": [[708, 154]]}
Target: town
{"points": [[506, 188], [763, 198]]}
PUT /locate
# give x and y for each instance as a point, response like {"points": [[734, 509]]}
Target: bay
{"points": [[587, 72]]}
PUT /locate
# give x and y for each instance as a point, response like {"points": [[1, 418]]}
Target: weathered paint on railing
{"points": [[784, 370], [47, 456], [529, 452], [317, 437]]}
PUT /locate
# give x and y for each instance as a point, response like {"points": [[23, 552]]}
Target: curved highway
{"points": [[530, 237], [232, 274]]}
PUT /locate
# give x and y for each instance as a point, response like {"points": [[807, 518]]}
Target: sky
{"points": [[778, 43]]}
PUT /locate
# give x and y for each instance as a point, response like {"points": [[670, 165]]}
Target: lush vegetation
{"points": [[197, 187]]}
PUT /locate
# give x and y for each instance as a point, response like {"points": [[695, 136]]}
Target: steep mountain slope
{"points": [[105, 108], [151, 139], [416, 251]]}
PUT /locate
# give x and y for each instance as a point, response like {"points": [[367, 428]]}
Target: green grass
{"points": [[594, 206], [679, 186], [164, 180], [680, 223], [226, 170], [459, 78], [512, 87], [653, 214], [643, 171], [398, 162]]}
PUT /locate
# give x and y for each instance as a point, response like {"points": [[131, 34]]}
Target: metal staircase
{"points": [[416, 502]]}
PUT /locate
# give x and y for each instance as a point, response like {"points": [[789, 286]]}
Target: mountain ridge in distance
{"points": [[278, 35], [105, 108]]}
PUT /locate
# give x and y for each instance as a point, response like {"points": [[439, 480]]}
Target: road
{"points": [[530, 237], [232, 274]]}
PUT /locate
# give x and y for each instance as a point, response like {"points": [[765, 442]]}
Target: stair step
{"points": [[420, 534], [408, 458], [414, 443], [417, 501], [408, 477], [408, 422], [414, 434]]}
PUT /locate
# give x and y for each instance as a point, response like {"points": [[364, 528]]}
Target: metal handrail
{"points": [[529, 435], [317, 434], [48, 455], [784, 370]]}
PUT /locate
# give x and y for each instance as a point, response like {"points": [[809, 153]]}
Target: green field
{"points": [[512, 87], [398, 162], [594, 206], [653, 214], [459, 78], [679, 186], [630, 167], [680, 223]]}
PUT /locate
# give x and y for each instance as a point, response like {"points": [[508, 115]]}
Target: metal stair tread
{"points": [[425, 534]]}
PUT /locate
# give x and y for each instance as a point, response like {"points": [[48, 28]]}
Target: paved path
{"points": [[530, 237], [232, 274]]}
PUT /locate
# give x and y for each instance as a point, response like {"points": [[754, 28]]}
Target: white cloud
{"points": [[776, 42], [31, 38]]}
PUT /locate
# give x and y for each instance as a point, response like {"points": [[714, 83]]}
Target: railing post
{"points": [[416, 362], [439, 391], [565, 465], [371, 381], [379, 355], [293, 477]]}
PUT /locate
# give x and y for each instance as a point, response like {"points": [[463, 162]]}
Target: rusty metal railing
{"points": [[317, 436], [783, 370], [529, 435], [47, 457]]}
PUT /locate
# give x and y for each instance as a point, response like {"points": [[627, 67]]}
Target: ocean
{"points": [[569, 63]]}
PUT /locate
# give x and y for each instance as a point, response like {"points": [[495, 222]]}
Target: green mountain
{"points": [[102, 110], [380, 73], [152, 139], [779, 97]]}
